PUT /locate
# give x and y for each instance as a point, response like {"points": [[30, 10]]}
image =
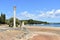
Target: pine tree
{"points": [[3, 18]]}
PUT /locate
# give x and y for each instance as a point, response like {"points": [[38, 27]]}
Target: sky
{"points": [[42, 10]]}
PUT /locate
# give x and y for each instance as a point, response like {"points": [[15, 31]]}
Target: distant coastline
{"points": [[46, 25]]}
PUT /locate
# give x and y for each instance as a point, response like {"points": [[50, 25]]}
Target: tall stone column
{"points": [[14, 19]]}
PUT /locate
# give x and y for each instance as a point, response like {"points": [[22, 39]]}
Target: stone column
{"points": [[14, 19]]}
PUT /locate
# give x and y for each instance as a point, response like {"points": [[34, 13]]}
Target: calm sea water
{"points": [[51, 25]]}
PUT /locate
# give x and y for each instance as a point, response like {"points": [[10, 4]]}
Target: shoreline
{"points": [[44, 33], [43, 27]]}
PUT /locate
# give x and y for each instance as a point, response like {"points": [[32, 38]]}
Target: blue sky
{"points": [[44, 10]]}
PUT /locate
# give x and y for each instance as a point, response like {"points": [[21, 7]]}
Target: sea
{"points": [[46, 25]]}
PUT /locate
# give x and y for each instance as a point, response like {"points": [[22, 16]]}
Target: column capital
{"points": [[14, 7]]}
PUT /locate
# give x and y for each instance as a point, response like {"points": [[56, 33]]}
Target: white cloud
{"points": [[57, 11], [42, 14], [28, 15], [51, 14]]}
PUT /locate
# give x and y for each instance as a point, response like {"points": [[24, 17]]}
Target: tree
{"points": [[10, 22], [3, 18], [0, 19], [30, 21]]}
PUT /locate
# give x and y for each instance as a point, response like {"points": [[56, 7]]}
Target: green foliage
{"points": [[30, 21], [2, 19], [10, 22]]}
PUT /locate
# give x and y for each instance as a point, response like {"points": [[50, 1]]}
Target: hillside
{"points": [[30, 21]]}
